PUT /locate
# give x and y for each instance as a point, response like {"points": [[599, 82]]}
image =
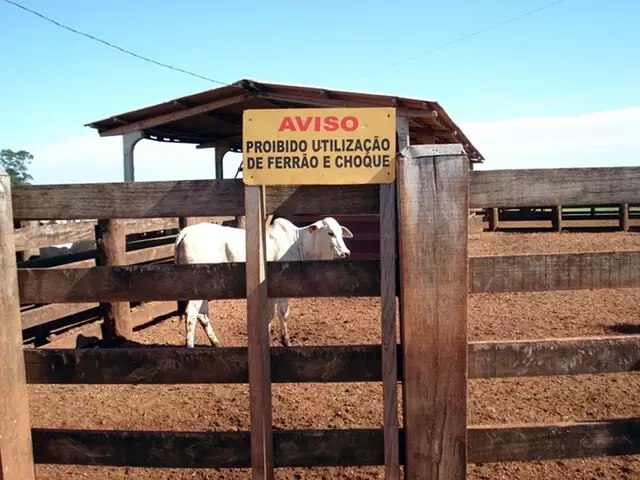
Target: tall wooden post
{"points": [[258, 336], [388, 235], [111, 251], [624, 217], [433, 203], [16, 454], [493, 219], [556, 218]]}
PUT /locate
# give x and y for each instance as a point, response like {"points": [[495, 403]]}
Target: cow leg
{"points": [[283, 314], [205, 321], [193, 307]]}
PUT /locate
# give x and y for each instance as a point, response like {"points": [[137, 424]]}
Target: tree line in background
{"points": [[16, 164]]}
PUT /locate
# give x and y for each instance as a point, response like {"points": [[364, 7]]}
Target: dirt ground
{"points": [[345, 321]]}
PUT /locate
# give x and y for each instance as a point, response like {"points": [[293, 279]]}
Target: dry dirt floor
{"points": [[356, 320]]}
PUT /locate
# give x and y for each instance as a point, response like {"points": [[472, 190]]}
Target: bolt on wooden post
{"points": [[433, 204], [16, 454]]}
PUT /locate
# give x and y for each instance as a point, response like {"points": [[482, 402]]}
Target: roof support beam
{"points": [[220, 151], [129, 141], [173, 116]]}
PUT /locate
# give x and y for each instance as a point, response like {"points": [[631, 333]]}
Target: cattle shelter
{"points": [[213, 119]]}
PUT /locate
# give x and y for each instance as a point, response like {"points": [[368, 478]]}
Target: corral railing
{"points": [[591, 186], [145, 241]]}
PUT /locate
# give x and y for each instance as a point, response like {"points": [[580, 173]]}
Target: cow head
{"points": [[328, 239]]}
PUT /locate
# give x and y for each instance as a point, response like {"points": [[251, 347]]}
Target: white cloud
{"points": [[609, 138]]}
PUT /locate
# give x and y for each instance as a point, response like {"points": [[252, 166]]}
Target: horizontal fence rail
{"points": [[554, 186], [182, 198], [353, 363], [516, 273], [491, 188], [54, 234], [570, 271], [317, 448]]}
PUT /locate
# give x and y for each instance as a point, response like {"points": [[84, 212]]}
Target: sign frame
{"points": [[319, 146]]}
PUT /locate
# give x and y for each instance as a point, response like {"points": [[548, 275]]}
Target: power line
{"points": [[124, 50], [470, 35]]}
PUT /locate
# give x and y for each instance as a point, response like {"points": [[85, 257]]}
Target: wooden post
{"points": [[388, 330], [388, 235], [556, 218], [111, 251], [30, 252], [16, 454], [258, 337], [433, 201], [493, 219], [624, 217]]}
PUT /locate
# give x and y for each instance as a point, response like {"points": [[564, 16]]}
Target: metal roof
{"points": [[215, 116]]}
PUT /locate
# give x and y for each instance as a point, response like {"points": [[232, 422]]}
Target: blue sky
{"points": [[555, 81]]}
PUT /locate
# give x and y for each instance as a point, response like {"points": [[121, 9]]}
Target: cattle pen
{"points": [[435, 190], [138, 242]]}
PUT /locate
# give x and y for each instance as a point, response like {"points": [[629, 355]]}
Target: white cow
{"points": [[211, 243]]}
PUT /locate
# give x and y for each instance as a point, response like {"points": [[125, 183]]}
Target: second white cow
{"points": [[211, 243]]}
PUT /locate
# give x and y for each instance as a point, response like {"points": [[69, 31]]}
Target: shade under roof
{"points": [[215, 116]]}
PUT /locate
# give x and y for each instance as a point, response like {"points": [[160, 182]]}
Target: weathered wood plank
{"points": [[316, 448], [68, 260], [433, 208], [47, 313], [348, 363], [566, 356], [573, 271], [388, 289], [138, 225], [624, 217], [323, 279], [552, 442], [493, 188], [16, 455], [554, 186], [111, 248], [149, 254], [556, 218], [92, 333], [55, 234], [173, 116], [183, 198], [258, 336], [183, 282]]}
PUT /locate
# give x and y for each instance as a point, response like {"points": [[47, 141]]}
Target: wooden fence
{"points": [[145, 242], [626, 216], [434, 193]]}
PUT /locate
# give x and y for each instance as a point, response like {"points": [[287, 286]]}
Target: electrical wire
{"points": [[124, 50], [470, 35]]}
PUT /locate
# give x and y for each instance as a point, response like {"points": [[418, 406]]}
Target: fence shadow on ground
{"points": [[625, 328]]}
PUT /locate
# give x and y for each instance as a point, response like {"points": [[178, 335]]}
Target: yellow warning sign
{"points": [[319, 146]]}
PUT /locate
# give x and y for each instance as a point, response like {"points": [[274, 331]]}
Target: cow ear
{"points": [[346, 233], [312, 228]]}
